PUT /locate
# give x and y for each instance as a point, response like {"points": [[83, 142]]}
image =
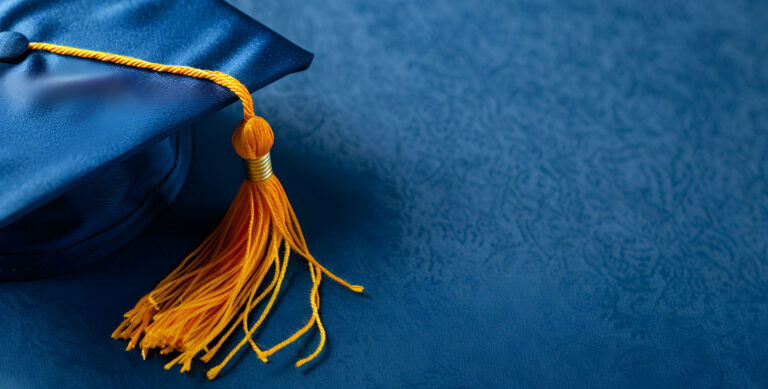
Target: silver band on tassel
{"points": [[259, 169]]}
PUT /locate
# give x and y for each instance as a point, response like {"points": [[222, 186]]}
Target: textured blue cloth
{"points": [[86, 159], [537, 193]]}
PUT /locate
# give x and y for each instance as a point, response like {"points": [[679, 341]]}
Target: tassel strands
{"points": [[217, 287]]}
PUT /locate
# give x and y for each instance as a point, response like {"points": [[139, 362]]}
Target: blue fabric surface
{"points": [[535, 194], [68, 120]]}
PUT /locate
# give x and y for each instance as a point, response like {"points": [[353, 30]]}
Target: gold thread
{"points": [[259, 169]]}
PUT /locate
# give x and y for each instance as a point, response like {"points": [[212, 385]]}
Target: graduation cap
{"points": [[95, 100]]}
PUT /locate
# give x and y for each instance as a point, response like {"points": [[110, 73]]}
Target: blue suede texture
{"points": [[85, 144], [536, 194]]}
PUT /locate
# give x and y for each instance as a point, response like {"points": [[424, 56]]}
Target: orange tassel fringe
{"points": [[215, 289]]}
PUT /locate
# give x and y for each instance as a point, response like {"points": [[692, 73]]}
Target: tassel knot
{"points": [[253, 138]]}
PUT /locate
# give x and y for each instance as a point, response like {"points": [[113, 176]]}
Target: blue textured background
{"points": [[535, 193]]}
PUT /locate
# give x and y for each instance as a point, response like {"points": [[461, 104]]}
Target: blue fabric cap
{"points": [[12, 45], [89, 150]]}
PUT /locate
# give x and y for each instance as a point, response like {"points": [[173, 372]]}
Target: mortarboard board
{"points": [[93, 145]]}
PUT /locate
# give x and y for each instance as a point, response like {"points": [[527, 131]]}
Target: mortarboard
{"points": [[95, 98]]}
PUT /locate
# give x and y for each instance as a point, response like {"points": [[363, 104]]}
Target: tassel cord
{"points": [[215, 288]]}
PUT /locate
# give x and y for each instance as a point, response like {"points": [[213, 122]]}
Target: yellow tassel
{"points": [[215, 289]]}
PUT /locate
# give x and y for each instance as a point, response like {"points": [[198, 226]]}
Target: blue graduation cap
{"points": [[96, 98]]}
